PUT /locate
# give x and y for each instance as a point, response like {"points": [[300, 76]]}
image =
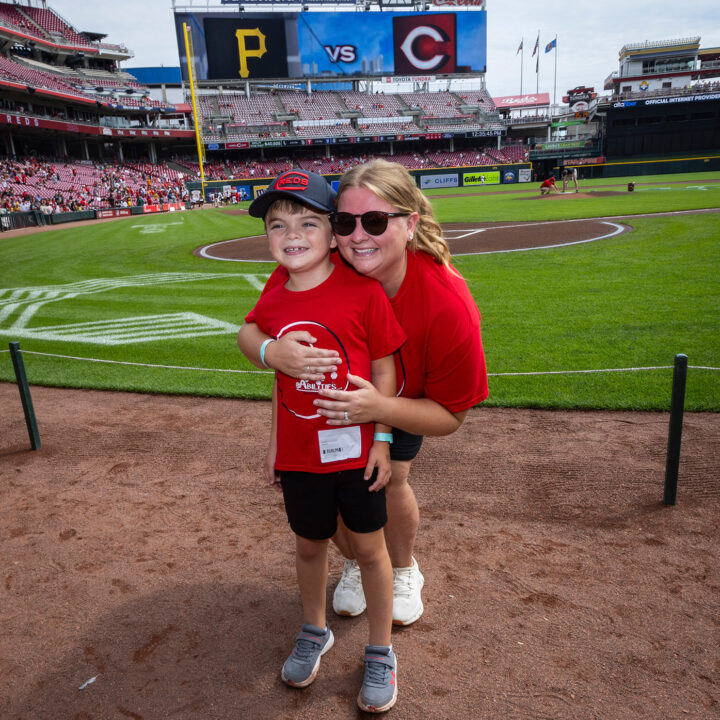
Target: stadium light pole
{"points": [[189, 54]]}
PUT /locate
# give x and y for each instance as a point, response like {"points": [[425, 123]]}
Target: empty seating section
{"points": [[255, 110], [54, 25], [406, 127], [479, 98], [320, 114], [443, 104], [71, 84], [12, 17], [318, 106], [21, 73], [331, 165], [342, 129], [378, 105]]}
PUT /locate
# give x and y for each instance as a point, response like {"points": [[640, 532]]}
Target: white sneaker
{"points": [[349, 597], [407, 604]]}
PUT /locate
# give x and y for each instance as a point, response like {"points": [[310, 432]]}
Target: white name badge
{"points": [[339, 444]]}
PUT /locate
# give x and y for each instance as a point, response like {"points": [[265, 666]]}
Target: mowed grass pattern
{"points": [[629, 301]]}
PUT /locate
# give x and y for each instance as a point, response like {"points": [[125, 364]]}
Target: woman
{"points": [[385, 229]]}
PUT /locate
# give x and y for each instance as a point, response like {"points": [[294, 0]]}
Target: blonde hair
{"points": [[393, 183]]}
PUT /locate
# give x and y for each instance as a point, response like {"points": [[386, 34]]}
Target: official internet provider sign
{"points": [[438, 181], [311, 44]]}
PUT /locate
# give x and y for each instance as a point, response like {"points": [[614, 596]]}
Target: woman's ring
{"points": [[347, 417]]}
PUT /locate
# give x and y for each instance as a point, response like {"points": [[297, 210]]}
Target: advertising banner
{"points": [[518, 101], [439, 181], [165, 207], [491, 177], [260, 189], [115, 212], [525, 175], [509, 176], [667, 100], [257, 45]]}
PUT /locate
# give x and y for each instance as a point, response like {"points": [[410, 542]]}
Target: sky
{"points": [[589, 35]]}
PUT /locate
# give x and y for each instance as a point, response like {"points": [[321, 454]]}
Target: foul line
{"points": [[271, 372]]}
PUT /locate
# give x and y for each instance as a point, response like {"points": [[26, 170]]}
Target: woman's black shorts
{"points": [[405, 445], [313, 500]]}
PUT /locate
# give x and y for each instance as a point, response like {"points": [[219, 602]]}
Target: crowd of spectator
{"points": [[338, 163], [55, 186], [52, 186]]}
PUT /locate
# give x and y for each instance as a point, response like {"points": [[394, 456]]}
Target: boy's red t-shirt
{"points": [[348, 313]]}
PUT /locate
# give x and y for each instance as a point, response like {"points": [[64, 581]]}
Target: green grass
{"points": [[630, 301]]}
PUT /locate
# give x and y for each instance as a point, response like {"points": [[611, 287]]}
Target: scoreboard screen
{"points": [[258, 46]]}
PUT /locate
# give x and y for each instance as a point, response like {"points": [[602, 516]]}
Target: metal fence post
{"points": [[24, 389], [677, 409]]}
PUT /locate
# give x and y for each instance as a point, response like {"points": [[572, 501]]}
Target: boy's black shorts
{"points": [[405, 445], [313, 500]]}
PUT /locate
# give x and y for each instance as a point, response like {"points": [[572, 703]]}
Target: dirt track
{"points": [[141, 548]]}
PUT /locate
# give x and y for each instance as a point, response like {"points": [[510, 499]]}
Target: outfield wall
{"points": [[427, 179]]}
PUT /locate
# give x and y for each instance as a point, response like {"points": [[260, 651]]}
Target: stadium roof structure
{"points": [[306, 5], [652, 47]]}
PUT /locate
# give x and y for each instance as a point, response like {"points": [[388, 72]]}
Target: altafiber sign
{"points": [[250, 46]]}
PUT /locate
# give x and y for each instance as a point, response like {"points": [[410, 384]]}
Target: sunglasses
{"points": [[374, 222]]}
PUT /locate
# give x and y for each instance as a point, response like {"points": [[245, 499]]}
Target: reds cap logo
{"points": [[292, 180]]}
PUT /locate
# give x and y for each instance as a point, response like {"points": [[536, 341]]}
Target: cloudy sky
{"points": [[589, 34]]}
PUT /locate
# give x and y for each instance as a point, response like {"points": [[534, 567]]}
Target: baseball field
{"points": [[148, 570], [132, 291]]}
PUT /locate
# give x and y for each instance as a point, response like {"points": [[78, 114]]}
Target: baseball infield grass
{"points": [[131, 291]]}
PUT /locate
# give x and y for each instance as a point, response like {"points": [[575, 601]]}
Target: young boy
{"points": [[324, 470]]}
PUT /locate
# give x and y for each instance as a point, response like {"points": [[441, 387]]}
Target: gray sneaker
{"points": [[379, 689], [302, 666]]}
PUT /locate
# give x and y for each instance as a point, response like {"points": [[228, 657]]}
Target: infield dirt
{"points": [[143, 549]]}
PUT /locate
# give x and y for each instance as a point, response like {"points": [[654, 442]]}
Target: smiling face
{"points": [[300, 240], [382, 257]]}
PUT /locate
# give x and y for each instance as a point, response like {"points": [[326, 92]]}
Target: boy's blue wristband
{"points": [[263, 347], [383, 437]]}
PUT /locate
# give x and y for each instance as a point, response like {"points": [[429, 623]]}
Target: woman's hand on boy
{"points": [[295, 355], [349, 407]]}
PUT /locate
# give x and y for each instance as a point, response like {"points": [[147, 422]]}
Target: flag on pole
{"points": [[537, 45], [520, 47], [552, 44]]}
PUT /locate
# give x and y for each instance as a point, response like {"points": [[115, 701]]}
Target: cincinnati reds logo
{"points": [[417, 43], [292, 180]]}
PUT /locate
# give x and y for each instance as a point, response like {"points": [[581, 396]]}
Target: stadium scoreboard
{"points": [[352, 44]]}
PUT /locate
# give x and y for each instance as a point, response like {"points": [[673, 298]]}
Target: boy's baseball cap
{"points": [[301, 186]]}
